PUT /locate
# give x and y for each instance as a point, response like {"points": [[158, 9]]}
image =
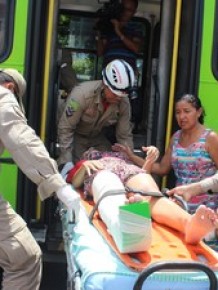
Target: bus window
{"points": [[76, 33], [6, 27], [215, 44], [143, 27]]}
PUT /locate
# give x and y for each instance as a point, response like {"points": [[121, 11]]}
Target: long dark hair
{"points": [[195, 102]]}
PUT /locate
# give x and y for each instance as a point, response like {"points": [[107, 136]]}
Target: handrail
{"points": [[173, 76], [177, 265]]}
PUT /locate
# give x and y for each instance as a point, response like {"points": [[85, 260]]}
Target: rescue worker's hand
{"points": [[71, 199], [186, 191], [123, 148]]}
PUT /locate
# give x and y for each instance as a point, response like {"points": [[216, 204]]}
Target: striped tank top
{"points": [[192, 163]]}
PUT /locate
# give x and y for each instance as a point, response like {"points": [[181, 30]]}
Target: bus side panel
{"points": [[208, 90], [8, 175]]}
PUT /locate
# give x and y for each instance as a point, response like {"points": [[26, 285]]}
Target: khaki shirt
{"points": [[27, 150], [84, 115]]}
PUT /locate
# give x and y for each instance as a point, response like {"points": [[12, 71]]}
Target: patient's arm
{"points": [[86, 168], [152, 154]]}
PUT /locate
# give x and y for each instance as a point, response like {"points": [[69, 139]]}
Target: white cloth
{"points": [[106, 181], [65, 170], [129, 235]]}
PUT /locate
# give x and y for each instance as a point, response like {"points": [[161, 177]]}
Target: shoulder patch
{"points": [[72, 107]]}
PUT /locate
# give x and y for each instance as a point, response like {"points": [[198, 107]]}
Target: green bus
{"points": [[178, 54]]}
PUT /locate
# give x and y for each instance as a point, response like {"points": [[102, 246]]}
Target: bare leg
{"points": [[165, 211]]}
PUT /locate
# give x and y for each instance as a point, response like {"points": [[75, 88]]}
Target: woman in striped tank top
{"points": [[193, 150]]}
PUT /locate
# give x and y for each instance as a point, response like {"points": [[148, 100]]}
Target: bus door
{"points": [[77, 45]]}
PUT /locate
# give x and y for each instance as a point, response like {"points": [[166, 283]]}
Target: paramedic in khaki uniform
{"points": [[20, 255], [92, 106]]}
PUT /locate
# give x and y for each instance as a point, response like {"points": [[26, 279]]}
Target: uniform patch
{"points": [[72, 107]]}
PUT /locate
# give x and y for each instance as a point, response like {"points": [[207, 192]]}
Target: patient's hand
{"points": [[152, 152], [92, 166], [152, 155]]}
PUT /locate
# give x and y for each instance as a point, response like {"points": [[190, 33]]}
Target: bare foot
{"points": [[201, 223]]}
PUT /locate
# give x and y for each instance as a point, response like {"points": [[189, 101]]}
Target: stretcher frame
{"points": [[74, 273]]}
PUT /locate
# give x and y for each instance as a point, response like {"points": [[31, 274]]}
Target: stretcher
{"points": [[169, 264]]}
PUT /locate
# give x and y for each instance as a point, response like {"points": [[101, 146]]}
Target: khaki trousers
{"points": [[20, 258]]}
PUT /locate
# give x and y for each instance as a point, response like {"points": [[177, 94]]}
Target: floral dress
{"points": [[116, 162]]}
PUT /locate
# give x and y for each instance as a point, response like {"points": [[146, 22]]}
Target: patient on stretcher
{"points": [[101, 172]]}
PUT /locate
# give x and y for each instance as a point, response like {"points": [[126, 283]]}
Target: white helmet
{"points": [[119, 76]]}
